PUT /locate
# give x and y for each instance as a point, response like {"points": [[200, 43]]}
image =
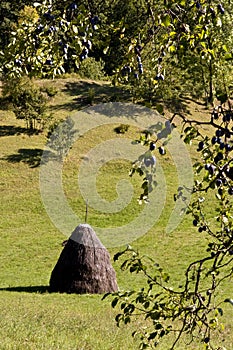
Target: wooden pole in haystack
{"points": [[86, 211]]}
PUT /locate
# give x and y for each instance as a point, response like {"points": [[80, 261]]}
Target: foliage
{"points": [[63, 36], [120, 22], [90, 96], [28, 15], [92, 69], [193, 308], [9, 12], [61, 137], [45, 43], [51, 91], [186, 310], [28, 102], [182, 42], [160, 49], [188, 40], [121, 129], [145, 165]]}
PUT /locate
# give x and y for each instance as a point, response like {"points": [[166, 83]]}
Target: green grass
{"points": [[30, 317], [34, 321]]}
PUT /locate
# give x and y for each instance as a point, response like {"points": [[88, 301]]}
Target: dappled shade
{"points": [[84, 265]]}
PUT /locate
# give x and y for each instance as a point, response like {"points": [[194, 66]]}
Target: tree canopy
{"points": [[147, 43]]}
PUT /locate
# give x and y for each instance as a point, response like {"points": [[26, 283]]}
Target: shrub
{"points": [[92, 69], [51, 91], [28, 102], [61, 137]]}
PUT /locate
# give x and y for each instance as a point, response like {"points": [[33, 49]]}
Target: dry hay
{"points": [[84, 265]]}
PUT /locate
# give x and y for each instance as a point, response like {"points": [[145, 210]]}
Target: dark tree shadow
{"points": [[80, 87], [182, 103], [11, 130], [5, 102], [32, 157], [27, 289], [104, 93], [197, 100], [90, 93], [175, 105]]}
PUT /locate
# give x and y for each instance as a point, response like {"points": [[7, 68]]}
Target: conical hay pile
{"points": [[84, 265]]}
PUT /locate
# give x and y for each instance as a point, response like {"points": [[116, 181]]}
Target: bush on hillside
{"points": [[28, 102], [92, 69]]}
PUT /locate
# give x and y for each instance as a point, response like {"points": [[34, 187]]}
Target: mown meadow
{"points": [[30, 316]]}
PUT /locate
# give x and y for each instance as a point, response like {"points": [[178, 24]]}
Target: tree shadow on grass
{"points": [[181, 104], [12, 130], [80, 87], [32, 157], [86, 94], [27, 289], [177, 105]]}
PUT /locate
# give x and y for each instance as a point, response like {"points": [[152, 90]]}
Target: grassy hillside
{"points": [[30, 317]]}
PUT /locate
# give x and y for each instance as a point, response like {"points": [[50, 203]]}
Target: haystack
{"points": [[84, 265]]}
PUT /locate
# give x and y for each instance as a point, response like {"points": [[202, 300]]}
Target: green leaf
{"points": [[118, 319], [124, 265], [105, 296], [134, 333], [160, 108], [172, 48], [133, 268], [114, 302], [152, 335], [166, 20], [105, 50], [172, 33], [123, 305], [224, 47], [129, 309], [219, 22], [154, 315], [158, 326], [165, 277], [222, 97], [162, 333], [228, 57], [127, 319], [145, 185], [117, 255]]}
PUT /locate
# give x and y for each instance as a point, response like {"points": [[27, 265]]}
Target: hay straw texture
{"points": [[84, 265]]}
